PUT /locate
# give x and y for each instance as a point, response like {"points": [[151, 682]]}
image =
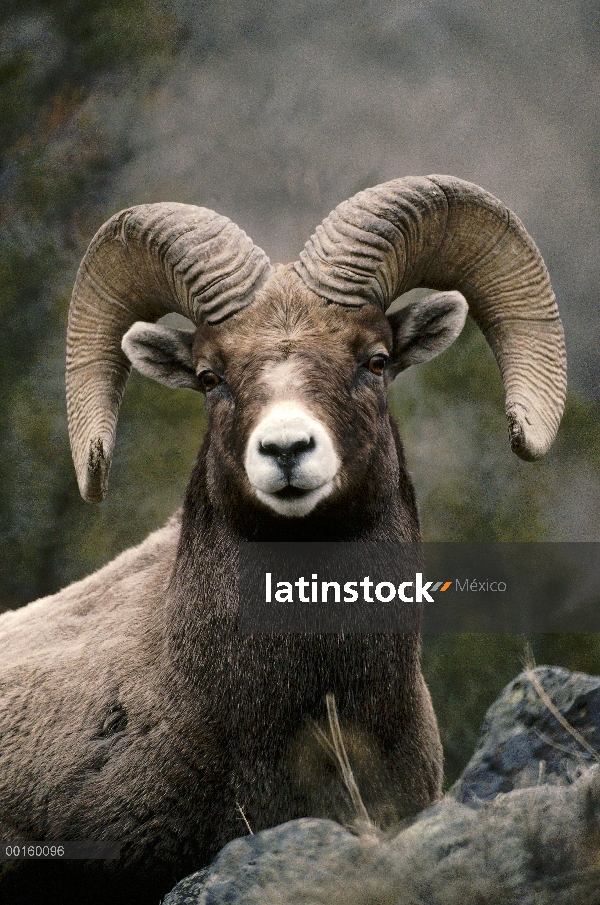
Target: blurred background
{"points": [[273, 112]]}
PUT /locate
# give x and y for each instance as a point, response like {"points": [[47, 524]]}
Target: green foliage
{"points": [[56, 154], [466, 673], [53, 50], [106, 34]]}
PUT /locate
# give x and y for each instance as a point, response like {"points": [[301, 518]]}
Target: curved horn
{"points": [[444, 233], [145, 262]]}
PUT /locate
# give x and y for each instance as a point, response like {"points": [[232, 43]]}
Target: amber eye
{"points": [[208, 380], [376, 364]]}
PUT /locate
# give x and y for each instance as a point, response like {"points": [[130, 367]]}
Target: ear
{"points": [[162, 353], [425, 328]]}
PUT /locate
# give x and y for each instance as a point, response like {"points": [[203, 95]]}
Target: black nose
{"points": [[287, 454]]}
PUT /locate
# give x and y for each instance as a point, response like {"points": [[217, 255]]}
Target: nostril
{"points": [[268, 449], [285, 451], [301, 446]]}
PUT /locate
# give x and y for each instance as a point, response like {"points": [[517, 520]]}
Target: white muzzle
{"points": [[290, 460]]}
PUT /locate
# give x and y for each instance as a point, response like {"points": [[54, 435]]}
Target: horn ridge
{"points": [[146, 261], [444, 233]]}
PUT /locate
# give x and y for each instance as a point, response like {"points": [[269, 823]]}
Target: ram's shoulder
{"points": [[116, 592]]}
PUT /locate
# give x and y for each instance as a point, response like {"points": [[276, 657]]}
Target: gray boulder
{"points": [[522, 743]]}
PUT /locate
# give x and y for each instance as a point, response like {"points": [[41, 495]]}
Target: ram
{"points": [[131, 708]]}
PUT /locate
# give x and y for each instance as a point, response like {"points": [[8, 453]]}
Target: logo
{"points": [[314, 591]]}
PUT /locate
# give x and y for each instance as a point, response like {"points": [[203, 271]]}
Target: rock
{"points": [[276, 856], [521, 742], [535, 845]]}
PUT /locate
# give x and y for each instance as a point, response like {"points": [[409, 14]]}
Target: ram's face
{"points": [[295, 392], [296, 389]]}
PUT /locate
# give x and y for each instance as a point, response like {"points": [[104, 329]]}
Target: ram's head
{"points": [[294, 360]]}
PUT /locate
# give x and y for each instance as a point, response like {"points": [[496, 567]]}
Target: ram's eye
{"points": [[208, 380], [376, 364]]}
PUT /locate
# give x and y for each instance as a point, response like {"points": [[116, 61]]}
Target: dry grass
{"points": [[336, 749], [530, 673]]}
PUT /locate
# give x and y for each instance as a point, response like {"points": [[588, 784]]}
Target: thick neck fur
{"points": [[203, 596]]}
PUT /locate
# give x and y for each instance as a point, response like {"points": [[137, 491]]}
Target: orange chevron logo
{"points": [[442, 586]]}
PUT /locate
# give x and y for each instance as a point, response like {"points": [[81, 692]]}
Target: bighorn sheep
{"points": [[130, 708]]}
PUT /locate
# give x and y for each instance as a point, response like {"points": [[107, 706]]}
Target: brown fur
{"points": [[130, 707]]}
